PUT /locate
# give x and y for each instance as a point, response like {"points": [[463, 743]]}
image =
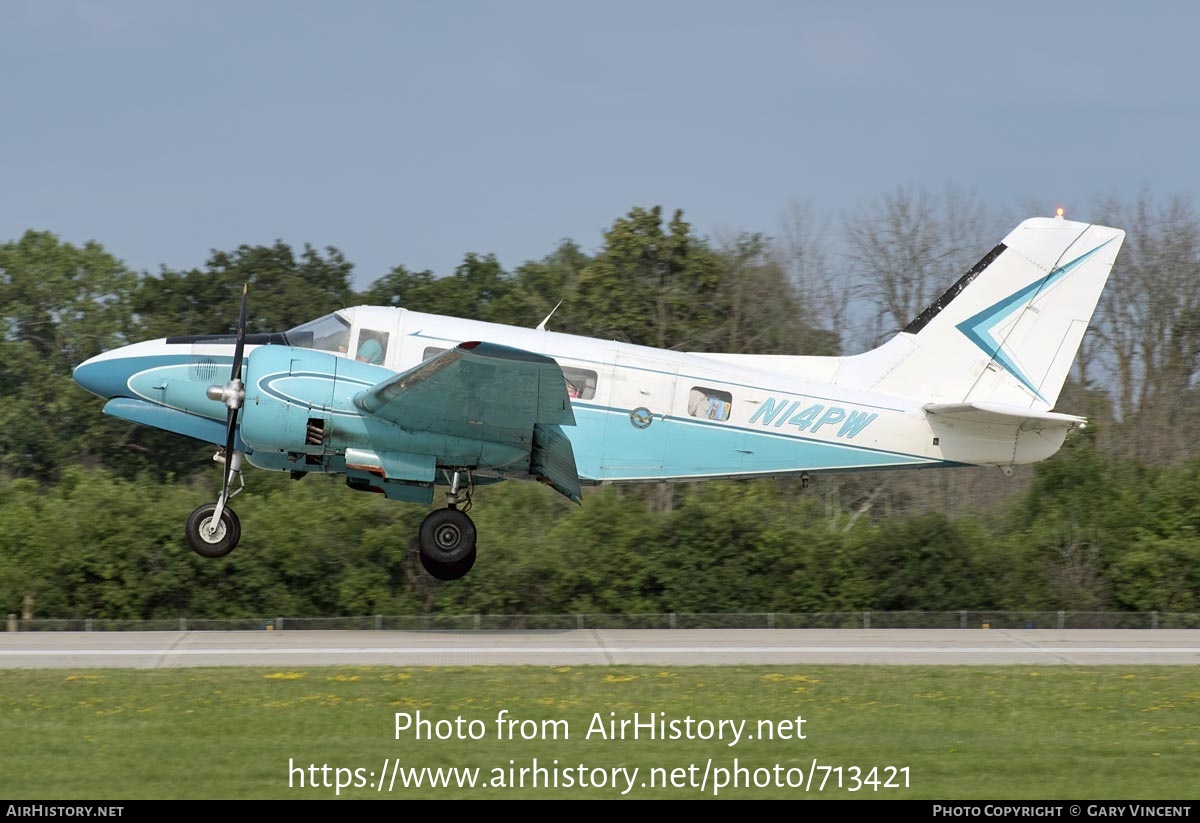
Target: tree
{"points": [[60, 304], [761, 310], [908, 249], [929, 563], [823, 291], [285, 291], [541, 286], [1148, 325], [649, 285], [402, 288], [65, 302], [479, 289]]}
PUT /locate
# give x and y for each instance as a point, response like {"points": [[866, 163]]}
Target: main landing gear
{"points": [[447, 535]]}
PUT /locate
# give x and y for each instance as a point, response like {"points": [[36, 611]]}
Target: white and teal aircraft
{"points": [[400, 402]]}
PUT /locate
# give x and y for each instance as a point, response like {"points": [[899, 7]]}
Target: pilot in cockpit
{"points": [[371, 347]]}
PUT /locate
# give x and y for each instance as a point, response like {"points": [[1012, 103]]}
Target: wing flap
{"points": [[553, 461]]}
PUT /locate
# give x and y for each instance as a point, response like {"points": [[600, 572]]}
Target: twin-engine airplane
{"points": [[399, 401]]}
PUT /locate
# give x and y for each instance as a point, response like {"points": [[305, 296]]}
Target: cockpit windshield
{"points": [[328, 333]]}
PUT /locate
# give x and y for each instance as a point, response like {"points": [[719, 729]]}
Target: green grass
{"points": [[983, 733]]}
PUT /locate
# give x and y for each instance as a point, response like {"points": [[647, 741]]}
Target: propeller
{"points": [[231, 394]]}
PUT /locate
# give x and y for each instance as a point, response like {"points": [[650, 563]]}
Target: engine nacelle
{"points": [[289, 400]]}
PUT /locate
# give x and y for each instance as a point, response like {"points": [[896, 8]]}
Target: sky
{"points": [[405, 132]]}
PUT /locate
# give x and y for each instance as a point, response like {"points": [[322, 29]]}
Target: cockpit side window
{"points": [[329, 333], [372, 346]]}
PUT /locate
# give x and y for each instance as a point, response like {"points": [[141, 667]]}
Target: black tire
{"points": [[447, 537], [448, 571], [229, 532]]}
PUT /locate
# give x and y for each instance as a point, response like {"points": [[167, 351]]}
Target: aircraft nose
{"points": [[106, 375]]}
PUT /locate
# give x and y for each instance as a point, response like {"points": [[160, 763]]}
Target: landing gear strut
{"points": [[448, 536]]}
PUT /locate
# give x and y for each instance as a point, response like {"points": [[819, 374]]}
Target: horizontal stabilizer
{"points": [[1003, 414]]}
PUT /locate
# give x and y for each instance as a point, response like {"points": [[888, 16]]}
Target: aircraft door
{"points": [[639, 424]]}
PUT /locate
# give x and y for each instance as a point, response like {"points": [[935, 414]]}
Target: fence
{"points": [[561, 622]]}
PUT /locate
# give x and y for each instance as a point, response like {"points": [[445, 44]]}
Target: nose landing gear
{"points": [[213, 539], [213, 530]]}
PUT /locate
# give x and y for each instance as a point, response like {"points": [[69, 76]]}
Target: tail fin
{"points": [[1008, 330]]}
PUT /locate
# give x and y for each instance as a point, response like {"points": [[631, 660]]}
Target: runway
{"points": [[655, 647]]}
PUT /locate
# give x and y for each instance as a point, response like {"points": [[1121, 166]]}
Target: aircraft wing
{"points": [[1004, 414], [482, 391], [485, 391]]}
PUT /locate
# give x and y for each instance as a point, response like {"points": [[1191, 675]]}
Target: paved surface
{"points": [[658, 647]]}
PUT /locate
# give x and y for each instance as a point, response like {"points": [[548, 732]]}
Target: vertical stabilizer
{"points": [[1008, 331]]}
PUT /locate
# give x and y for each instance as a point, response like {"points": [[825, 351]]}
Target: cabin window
{"points": [[710, 404], [431, 351], [581, 383], [372, 345]]}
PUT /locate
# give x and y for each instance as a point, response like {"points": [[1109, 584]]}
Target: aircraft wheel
{"points": [[448, 571], [222, 541], [447, 537]]}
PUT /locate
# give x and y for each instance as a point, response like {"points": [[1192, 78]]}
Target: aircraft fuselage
{"points": [[642, 414]]}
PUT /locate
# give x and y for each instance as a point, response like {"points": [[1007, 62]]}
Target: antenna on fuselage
{"points": [[542, 326]]}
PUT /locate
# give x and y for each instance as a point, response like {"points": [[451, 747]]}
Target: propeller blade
{"points": [[240, 347], [233, 398], [230, 436]]}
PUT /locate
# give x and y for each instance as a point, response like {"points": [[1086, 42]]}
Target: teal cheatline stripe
{"points": [[980, 328], [673, 448], [772, 431]]}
